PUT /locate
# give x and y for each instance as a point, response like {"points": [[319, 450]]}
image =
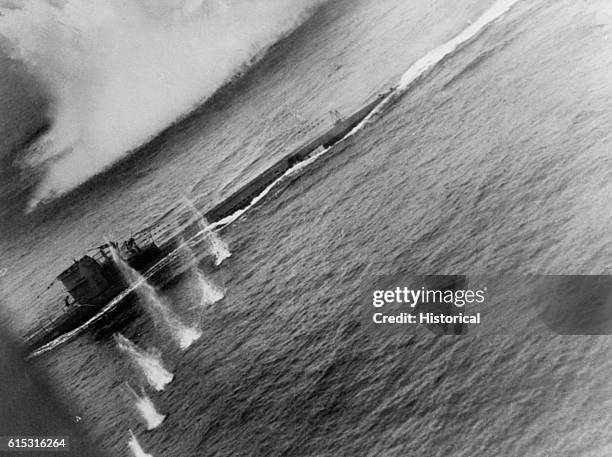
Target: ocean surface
{"points": [[495, 160]]}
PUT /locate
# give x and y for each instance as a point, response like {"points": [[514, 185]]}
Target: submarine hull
{"points": [[245, 195]]}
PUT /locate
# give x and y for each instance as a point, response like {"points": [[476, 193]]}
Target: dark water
{"points": [[496, 161]]}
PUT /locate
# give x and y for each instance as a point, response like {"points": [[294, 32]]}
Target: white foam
{"points": [[214, 243], [155, 306], [209, 292], [135, 447], [145, 407], [425, 63], [416, 70], [149, 363]]}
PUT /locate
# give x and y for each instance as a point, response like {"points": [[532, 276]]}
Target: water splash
{"points": [[146, 408], [187, 336], [437, 55], [432, 58], [217, 247], [135, 447], [209, 292], [214, 243], [159, 311], [149, 362]]}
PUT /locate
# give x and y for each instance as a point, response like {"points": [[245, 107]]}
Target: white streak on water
{"points": [[416, 70], [209, 292], [214, 243], [145, 407], [497, 10], [135, 447], [156, 306], [149, 363]]}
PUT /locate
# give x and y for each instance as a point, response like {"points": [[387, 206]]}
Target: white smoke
{"points": [[120, 71]]}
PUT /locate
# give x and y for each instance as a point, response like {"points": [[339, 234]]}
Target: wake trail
{"points": [[414, 72]]}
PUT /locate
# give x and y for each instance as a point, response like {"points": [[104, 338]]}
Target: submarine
{"points": [[246, 193], [94, 281]]}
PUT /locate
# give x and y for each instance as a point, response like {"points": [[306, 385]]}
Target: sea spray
{"points": [[214, 243], [107, 98], [145, 407], [154, 304], [149, 363], [135, 447], [432, 58], [209, 292], [218, 248], [187, 336]]}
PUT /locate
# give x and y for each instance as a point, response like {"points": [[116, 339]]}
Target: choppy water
{"points": [[497, 160]]}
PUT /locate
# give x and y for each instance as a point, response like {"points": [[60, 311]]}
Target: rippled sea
{"points": [[495, 161]]}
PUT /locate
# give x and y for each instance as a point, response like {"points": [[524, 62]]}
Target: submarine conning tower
{"points": [[94, 280], [85, 280]]}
